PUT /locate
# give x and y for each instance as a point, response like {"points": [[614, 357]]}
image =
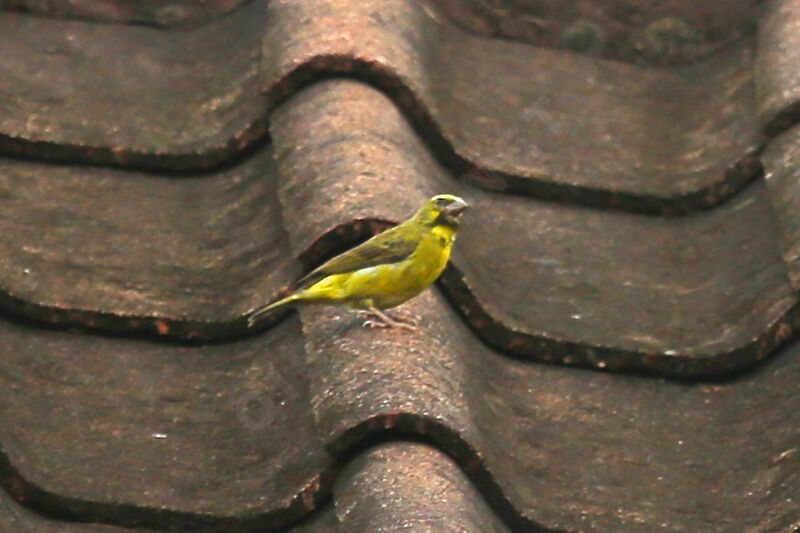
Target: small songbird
{"points": [[385, 271]]}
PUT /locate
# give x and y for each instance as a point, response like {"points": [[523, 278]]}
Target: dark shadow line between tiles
{"points": [[528, 347], [785, 119], [166, 330], [201, 164], [405, 426], [302, 507], [489, 330], [520, 345], [716, 367], [237, 150], [735, 178], [344, 447]]}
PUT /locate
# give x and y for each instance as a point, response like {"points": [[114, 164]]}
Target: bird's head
{"points": [[442, 209]]}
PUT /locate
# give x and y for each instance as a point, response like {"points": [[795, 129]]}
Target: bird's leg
{"points": [[405, 317], [386, 321]]}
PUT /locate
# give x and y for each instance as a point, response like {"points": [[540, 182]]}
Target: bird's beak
{"points": [[456, 207]]}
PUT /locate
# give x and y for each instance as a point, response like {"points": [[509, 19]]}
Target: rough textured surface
{"points": [[131, 95], [778, 66], [525, 131], [630, 30], [181, 257], [220, 250], [421, 488], [180, 13], [651, 31], [565, 448], [195, 102], [782, 166], [134, 433], [140, 197], [17, 519], [643, 292]]}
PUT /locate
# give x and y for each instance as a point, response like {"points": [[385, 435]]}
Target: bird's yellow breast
{"points": [[388, 285]]}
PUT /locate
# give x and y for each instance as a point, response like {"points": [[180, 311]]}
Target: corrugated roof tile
{"points": [[143, 196], [134, 433], [559, 125], [544, 280]]}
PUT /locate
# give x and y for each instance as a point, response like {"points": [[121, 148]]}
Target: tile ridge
{"points": [[354, 193], [442, 388], [409, 77], [528, 346], [737, 176], [302, 507], [776, 66], [404, 159], [408, 427]]}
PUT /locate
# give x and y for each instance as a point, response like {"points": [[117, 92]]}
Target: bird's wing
{"points": [[391, 246]]}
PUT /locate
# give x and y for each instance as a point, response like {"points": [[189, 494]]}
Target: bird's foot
{"points": [[382, 320], [380, 324], [406, 318]]}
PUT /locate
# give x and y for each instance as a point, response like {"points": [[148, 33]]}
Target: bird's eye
{"points": [[442, 202]]}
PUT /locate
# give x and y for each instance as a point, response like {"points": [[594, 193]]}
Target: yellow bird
{"points": [[385, 271]]}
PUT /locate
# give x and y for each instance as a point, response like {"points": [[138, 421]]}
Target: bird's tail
{"points": [[256, 315]]}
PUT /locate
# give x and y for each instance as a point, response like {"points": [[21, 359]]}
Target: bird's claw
{"points": [[380, 324], [379, 319], [376, 324]]}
